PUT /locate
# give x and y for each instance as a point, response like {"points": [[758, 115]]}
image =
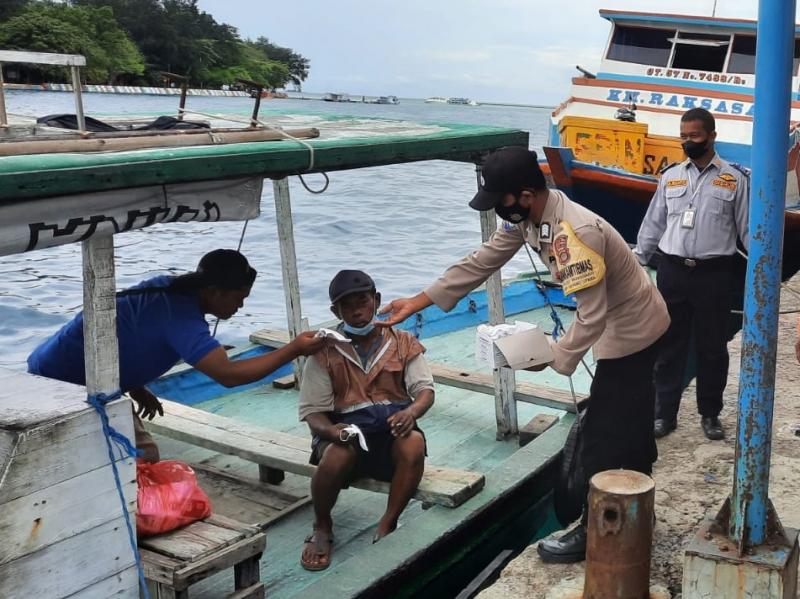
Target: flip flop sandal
{"points": [[323, 546]]}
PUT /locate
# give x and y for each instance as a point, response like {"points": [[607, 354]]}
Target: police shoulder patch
{"points": [[741, 168], [666, 168]]}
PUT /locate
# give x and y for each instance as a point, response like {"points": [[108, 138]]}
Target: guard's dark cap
{"points": [[349, 281], [227, 269], [508, 170]]}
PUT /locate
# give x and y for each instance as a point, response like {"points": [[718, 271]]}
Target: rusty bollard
{"points": [[620, 535]]}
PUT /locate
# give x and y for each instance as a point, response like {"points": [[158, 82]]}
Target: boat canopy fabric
{"points": [[27, 226]]}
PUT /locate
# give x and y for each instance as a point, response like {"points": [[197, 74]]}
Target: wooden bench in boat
{"points": [[175, 560], [276, 452], [474, 381]]}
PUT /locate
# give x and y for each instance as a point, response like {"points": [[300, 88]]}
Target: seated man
{"points": [[379, 382], [161, 321]]}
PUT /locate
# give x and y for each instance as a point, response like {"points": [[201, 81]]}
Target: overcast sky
{"points": [[493, 50]]}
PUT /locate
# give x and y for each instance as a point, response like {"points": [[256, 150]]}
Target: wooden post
{"points": [[3, 115], [78, 91], [100, 315], [291, 281], [505, 406]]}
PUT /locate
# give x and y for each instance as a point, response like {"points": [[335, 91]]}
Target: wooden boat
{"points": [[611, 165], [498, 497]]}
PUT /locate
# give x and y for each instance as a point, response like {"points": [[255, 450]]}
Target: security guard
{"points": [[694, 218], [620, 312]]}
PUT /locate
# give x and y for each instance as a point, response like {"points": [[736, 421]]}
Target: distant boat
{"points": [[462, 101], [387, 100], [436, 100], [330, 97]]}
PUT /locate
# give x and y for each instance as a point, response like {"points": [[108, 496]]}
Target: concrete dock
{"points": [[694, 475]]}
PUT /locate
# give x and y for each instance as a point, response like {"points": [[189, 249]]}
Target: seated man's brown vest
{"points": [[354, 388]]}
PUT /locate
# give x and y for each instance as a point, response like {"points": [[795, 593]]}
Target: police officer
{"points": [[694, 218], [620, 312]]}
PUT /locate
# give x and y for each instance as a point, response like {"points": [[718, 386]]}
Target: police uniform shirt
{"points": [[618, 315], [718, 197]]}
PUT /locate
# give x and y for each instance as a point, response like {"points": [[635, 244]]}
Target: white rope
{"points": [[280, 130]]}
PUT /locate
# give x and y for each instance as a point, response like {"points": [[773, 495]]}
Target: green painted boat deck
{"points": [[460, 431]]}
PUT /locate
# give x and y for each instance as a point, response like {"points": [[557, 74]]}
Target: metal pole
{"points": [[78, 91], [504, 380], [774, 52]]}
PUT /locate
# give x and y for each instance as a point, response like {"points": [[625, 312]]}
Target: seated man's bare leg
{"points": [[408, 455], [331, 475]]}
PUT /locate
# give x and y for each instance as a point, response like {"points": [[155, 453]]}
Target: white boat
{"points": [[436, 100], [462, 101], [331, 97], [387, 100]]}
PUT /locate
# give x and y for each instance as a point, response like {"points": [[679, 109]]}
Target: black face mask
{"points": [[695, 149], [514, 213]]}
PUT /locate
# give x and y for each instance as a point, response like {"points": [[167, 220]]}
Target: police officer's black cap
{"points": [[507, 170], [349, 281]]}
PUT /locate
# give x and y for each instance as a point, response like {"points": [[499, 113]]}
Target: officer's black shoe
{"points": [[712, 427], [662, 427], [570, 548]]}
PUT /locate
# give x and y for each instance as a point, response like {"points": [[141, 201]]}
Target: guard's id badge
{"points": [[687, 219]]}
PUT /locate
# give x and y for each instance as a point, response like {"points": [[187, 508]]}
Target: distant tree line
{"points": [[131, 42]]}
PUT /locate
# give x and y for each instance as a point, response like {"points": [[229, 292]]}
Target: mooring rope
{"points": [[126, 448], [277, 129]]}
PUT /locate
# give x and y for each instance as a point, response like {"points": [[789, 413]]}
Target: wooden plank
{"points": [[284, 382], [479, 382], [185, 544], [218, 561], [503, 379], [61, 511], [291, 280], [217, 534], [255, 591], [247, 500], [100, 315], [122, 584], [71, 565], [538, 424], [63, 449], [290, 453], [65, 60], [157, 567], [123, 144], [482, 383], [54, 399]]}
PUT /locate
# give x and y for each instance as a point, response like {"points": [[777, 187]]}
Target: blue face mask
{"points": [[365, 330]]}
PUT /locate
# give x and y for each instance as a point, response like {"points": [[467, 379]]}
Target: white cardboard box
{"points": [[517, 346]]}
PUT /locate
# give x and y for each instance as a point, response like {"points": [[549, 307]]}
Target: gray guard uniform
{"points": [[694, 221]]}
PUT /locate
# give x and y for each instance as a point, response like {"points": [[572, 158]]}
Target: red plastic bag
{"points": [[169, 497]]}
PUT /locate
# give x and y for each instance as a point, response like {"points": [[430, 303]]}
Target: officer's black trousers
{"points": [[698, 299], [618, 427]]}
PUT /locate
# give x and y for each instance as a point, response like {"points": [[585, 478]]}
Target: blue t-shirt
{"points": [[155, 329]]}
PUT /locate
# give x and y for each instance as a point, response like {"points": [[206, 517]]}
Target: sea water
{"points": [[403, 224]]}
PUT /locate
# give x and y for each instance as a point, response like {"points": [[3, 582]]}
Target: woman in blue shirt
{"points": [[161, 321]]}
